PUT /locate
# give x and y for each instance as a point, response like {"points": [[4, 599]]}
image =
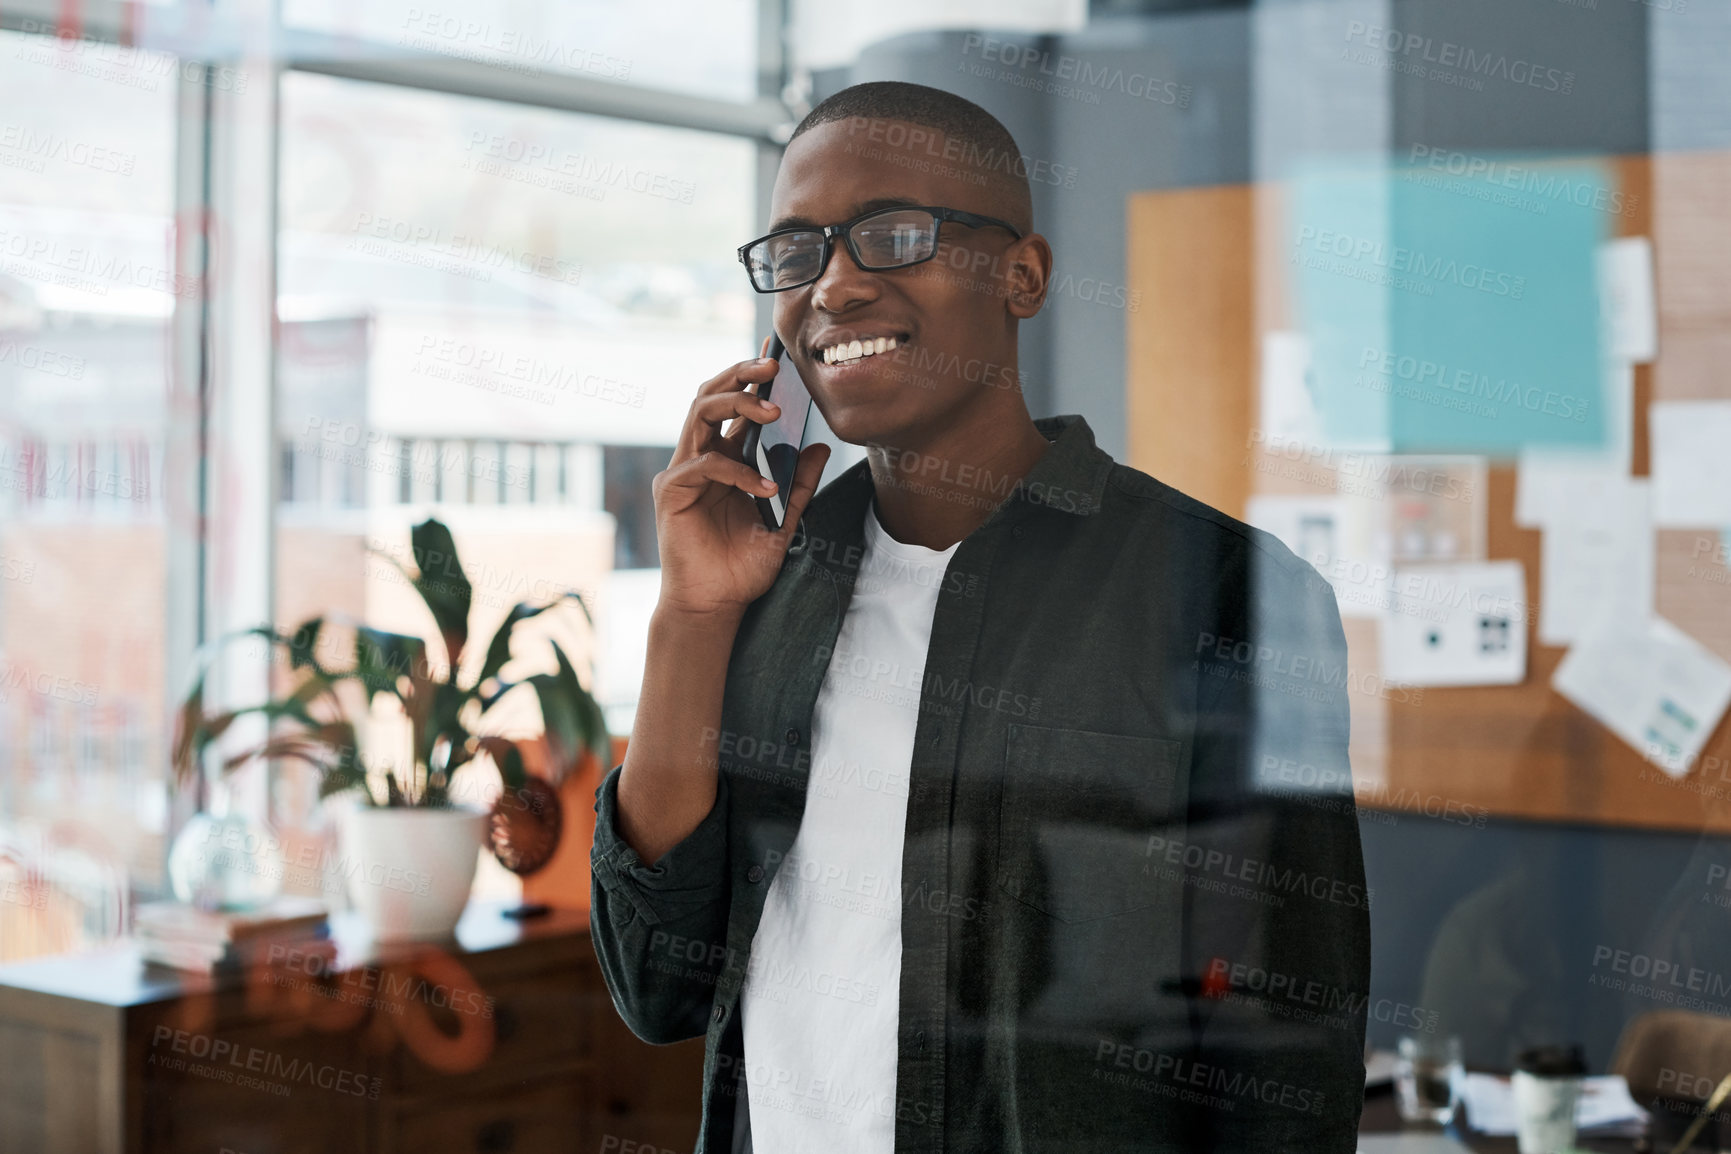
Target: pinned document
{"points": [[1649, 683], [1597, 559], [1691, 443], [1288, 394], [1553, 480], [1457, 625], [1627, 313]]}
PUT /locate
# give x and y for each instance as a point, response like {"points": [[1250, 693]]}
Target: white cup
{"points": [[1547, 1084]]}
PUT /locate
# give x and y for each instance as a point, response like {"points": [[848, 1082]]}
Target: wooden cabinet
{"points": [[504, 1039]]}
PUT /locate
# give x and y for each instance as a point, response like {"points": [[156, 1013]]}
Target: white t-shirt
{"points": [[822, 989]]}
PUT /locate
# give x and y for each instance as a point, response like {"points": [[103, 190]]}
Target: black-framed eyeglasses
{"points": [[885, 238]]}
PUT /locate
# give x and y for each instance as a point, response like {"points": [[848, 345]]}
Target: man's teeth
{"points": [[854, 350]]}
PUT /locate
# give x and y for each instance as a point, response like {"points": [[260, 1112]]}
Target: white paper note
{"points": [[1649, 683], [1691, 450], [1332, 533], [1289, 412], [1457, 625], [1551, 481], [1626, 299], [1597, 559]]}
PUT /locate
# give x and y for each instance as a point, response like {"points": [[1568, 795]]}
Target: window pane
{"points": [[484, 308], [705, 47], [87, 280]]}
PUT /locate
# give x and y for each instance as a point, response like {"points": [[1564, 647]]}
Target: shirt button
{"points": [[720, 1012], [1016, 531], [792, 735], [754, 874]]}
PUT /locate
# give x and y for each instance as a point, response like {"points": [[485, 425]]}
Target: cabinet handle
{"points": [[504, 1023], [496, 1137]]}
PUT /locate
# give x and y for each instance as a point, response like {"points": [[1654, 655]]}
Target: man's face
{"points": [[952, 318]]}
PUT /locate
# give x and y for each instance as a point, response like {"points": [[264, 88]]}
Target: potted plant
{"points": [[408, 849]]}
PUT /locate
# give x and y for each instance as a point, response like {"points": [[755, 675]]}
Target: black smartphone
{"points": [[774, 447]]}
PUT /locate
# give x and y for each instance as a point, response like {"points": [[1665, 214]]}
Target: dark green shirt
{"points": [[1134, 914]]}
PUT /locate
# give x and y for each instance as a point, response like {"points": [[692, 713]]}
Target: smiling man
{"points": [[1000, 800]]}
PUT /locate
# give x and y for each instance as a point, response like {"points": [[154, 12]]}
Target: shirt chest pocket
{"points": [[1077, 811]]}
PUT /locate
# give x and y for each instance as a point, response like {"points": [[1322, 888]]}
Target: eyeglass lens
{"points": [[885, 241]]}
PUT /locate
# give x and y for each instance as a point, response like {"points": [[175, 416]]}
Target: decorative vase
{"points": [[409, 870], [223, 860]]}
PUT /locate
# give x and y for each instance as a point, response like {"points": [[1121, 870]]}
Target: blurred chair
{"points": [[1672, 1060], [1661, 1049]]}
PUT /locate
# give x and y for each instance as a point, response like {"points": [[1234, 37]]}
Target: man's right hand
{"points": [[717, 556]]}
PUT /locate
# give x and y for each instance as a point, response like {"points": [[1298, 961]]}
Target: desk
{"points": [[502, 1038], [1382, 1116]]}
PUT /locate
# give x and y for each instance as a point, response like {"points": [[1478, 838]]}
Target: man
{"points": [[1000, 800]]}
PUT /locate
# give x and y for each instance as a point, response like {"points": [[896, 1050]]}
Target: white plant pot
{"points": [[409, 870]]}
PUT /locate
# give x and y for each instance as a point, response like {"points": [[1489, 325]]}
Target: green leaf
{"points": [[569, 715], [499, 649], [344, 775], [189, 726], [508, 757], [595, 734], [591, 727], [443, 585], [446, 717], [382, 658], [303, 646]]}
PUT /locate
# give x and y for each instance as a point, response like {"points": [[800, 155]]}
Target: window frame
{"points": [[227, 147]]}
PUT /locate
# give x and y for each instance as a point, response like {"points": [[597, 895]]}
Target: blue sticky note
{"points": [[1453, 313]]}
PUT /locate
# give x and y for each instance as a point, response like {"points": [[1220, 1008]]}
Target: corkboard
{"points": [[1207, 263]]}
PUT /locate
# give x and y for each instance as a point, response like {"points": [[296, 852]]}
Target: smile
{"points": [[847, 352]]}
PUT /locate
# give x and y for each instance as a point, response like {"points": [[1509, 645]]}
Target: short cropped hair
{"points": [[981, 143]]}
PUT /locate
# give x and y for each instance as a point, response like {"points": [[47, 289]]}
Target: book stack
{"points": [[187, 938]]}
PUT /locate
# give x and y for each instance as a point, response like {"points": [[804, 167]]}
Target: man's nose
{"points": [[842, 281]]}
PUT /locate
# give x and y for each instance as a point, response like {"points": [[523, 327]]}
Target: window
{"points": [[629, 469], [704, 47], [88, 286], [485, 311], [479, 306]]}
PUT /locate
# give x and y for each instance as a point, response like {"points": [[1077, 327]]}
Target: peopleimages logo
{"points": [[1070, 76], [1333, 1006], [1659, 979], [233, 1063], [964, 159], [1207, 1076], [41, 360], [1501, 390], [1194, 856], [1537, 183], [1350, 255], [54, 146], [1411, 51], [60, 688]]}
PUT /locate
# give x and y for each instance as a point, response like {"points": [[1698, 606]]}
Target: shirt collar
{"points": [[1069, 478]]}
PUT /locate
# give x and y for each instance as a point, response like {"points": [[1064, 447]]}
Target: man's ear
{"points": [[1028, 276]]}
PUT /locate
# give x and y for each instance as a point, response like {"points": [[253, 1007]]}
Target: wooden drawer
{"points": [[258, 1091], [536, 1023], [528, 1118]]}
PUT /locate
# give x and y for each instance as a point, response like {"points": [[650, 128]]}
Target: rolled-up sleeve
{"points": [[660, 931]]}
